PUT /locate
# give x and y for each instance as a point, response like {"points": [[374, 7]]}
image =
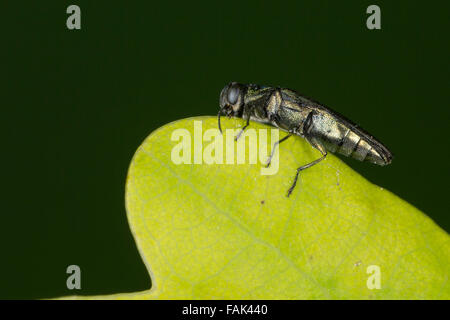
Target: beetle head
{"points": [[231, 100]]}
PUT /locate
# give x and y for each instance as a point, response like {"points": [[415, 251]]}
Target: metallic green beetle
{"points": [[323, 128]]}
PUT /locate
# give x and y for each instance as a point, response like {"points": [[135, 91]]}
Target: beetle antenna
{"points": [[218, 119]]}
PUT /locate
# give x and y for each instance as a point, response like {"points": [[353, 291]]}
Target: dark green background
{"points": [[77, 104]]}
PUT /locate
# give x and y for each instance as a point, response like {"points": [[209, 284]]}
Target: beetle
{"points": [[323, 128]]}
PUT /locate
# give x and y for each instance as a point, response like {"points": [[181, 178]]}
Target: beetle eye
{"points": [[233, 94]]}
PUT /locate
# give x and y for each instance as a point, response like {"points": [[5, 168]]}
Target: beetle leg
{"points": [[242, 130], [316, 144], [273, 149]]}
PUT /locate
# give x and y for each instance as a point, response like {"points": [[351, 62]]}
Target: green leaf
{"points": [[225, 231]]}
